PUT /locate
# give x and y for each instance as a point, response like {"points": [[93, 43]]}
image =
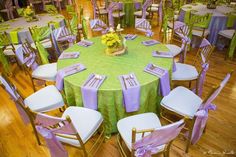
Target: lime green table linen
{"points": [[110, 102]]}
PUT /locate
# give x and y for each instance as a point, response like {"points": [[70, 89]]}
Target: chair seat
{"points": [[86, 122], [46, 72], [184, 72], [199, 33], [174, 49], [46, 44], [116, 14], [182, 101], [46, 99], [140, 122], [9, 52], [228, 33], [140, 13]]}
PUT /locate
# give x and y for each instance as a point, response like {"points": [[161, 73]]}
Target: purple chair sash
{"points": [[43, 122], [202, 114], [98, 25], [112, 6], [145, 6], [70, 70], [131, 92], [201, 79], [89, 90], [164, 85], [15, 96], [204, 43], [163, 135]]}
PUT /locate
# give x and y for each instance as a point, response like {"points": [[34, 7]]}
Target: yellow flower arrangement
{"points": [[111, 39], [28, 12]]}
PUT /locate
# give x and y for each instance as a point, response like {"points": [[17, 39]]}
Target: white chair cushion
{"points": [[46, 72], [155, 5], [153, 9], [140, 122], [116, 14], [85, 121], [46, 99], [182, 101], [228, 33], [199, 33], [184, 72], [46, 44], [8, 51], [174, 49], [139, 13]]}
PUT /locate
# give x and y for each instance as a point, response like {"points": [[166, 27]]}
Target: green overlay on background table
{"points": [[110, 102]]}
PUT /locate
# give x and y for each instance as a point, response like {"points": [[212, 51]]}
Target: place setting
{"points": [[150, 42], [89, 90], [85, 43], [130, 36], [131, 92], [69, 55]]}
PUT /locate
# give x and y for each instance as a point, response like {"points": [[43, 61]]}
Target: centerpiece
{"points": [[115, 42], [29, 14]]}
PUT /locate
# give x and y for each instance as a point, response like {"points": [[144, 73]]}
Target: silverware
{"points": [[99, 80], [74, 68], [124, 82], [131, 76], [89, 80]]}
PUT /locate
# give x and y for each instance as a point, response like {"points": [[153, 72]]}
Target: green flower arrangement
{"points": [[28, 12], [111, 40]]}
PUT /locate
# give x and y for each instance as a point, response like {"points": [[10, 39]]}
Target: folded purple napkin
{"points": [[85, 43], [89, 90], [163, 74], [131, 92], [69, 55], [150, 42], [162, 54], [165, 55], [66, 72], [130, 36]]}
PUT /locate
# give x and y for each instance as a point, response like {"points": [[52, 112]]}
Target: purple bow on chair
{"points": [[148, 145], [184, 47], [200, 122], [55, 147], [149, 33]]}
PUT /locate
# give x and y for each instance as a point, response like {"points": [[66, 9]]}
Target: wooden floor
{"points": [[17, 140]]}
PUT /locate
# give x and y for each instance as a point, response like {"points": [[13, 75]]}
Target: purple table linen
{"points": [[131, 92], [69, 55], [164, 87], [89, 91], [66, 72]]}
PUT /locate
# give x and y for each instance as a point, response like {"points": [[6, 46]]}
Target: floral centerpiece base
{"points": [[116, 51], [114, 42]]}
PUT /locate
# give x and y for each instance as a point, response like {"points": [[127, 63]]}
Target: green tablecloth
{"points": [[110, 102]]}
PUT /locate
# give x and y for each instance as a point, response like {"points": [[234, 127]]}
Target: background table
{"points": [[23, 32], [110, 102], [218, 21]]}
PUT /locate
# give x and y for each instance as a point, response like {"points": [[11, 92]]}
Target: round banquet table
{"points": [[218, 20], [110, 100], [22, 26]]}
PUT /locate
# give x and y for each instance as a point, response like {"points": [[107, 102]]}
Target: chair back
{"points": [[146, 4], [95, 9], [216, 91], [8, 4], [27, 56], [51, 9], [143, 25], [201, 21], [232, 46], [16, 4], [113, 6], [50, 127], [201, 79], [204, 52], [97, 25], [231, 20], [159, 136], [16, 97]]}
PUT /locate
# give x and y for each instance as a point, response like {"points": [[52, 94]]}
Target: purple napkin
{"points": [[130, 36], [66, 72], [165, 55], [69, 55], [131, 92], [162, 54], [150, 42], [89, 90], [85, 43], [163, 74]]}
